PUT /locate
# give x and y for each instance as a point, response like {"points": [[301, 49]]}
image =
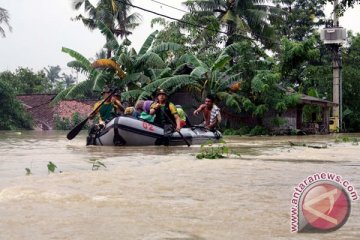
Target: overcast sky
{"points": [[42, 27]]}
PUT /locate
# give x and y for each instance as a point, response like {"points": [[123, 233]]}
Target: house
{"points": [[44, 113], [39, 108], [294, 117], [291, 119]]}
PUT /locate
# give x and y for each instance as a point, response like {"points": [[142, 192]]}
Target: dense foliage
{"points": [[12, 114], [255, 56]]}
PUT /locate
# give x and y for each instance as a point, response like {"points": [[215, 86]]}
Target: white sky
{"points": [[42, 27]]}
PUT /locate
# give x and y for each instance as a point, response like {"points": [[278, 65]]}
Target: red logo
{"points": [[148, 126], [326, 207]]}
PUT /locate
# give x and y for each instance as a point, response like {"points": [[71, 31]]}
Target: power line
{"points": [[192, 24], [181, 10], [172, 18]]}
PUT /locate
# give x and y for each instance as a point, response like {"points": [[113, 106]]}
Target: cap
{"points": [[117, 93], [106, 89], [161, 91]]}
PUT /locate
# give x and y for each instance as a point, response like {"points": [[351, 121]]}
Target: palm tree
{"points": [[4, 18], [52, 73], [239, 17], [113, 13]]}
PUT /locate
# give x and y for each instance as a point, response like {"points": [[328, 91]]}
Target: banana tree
{"points": [[127, 70], [217, 79]]}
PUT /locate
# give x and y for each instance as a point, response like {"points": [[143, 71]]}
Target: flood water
{"points": [[162, 192]]}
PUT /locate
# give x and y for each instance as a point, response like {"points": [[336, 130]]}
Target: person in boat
{"points": [[182, 115], [145, 112], [211, 113], [109, 109], [165, 112]]}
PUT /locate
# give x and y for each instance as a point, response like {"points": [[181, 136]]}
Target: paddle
{"points": [[75, 131], [187, 143]]}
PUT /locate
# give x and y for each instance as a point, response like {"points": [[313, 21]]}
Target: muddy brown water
{"points": [[162, 192]]}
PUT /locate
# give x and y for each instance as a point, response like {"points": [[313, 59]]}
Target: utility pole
{"points": [[333, 36], [336, 64]]}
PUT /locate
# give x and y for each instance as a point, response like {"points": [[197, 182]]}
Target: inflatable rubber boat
{"points": [[128, 131]]}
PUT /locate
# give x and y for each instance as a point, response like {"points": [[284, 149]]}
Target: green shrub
{"points": [[241, 131], [278, 121], [68, 124], [258, 130], [231, 132], [209, 151], [12, 114]]}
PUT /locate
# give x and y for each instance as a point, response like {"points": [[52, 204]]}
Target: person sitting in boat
{"points": [[182, 115], [211, 113], [145, 112], [165, 111], [109, 109]]}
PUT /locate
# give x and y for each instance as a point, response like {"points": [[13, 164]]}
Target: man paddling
{"points": [[161, 107], [110, 107]]}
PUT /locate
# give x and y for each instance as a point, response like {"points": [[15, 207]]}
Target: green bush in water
{"points": [[258, 130], [241, 131], [68, 124], [208, 151]]}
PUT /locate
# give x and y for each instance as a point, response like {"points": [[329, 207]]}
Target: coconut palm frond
{"points": [[229, 16], [203, 5], [257, 16], [89, 6], [4, 18], [148, 42], [86, 63], [164, 47], [233, 49], [133, 20], [76, 4]]}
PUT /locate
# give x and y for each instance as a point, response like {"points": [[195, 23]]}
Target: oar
{"points": [[187, 143], [75, 131]]}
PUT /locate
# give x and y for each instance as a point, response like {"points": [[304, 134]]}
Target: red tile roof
{"points": [[43, 113]]}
